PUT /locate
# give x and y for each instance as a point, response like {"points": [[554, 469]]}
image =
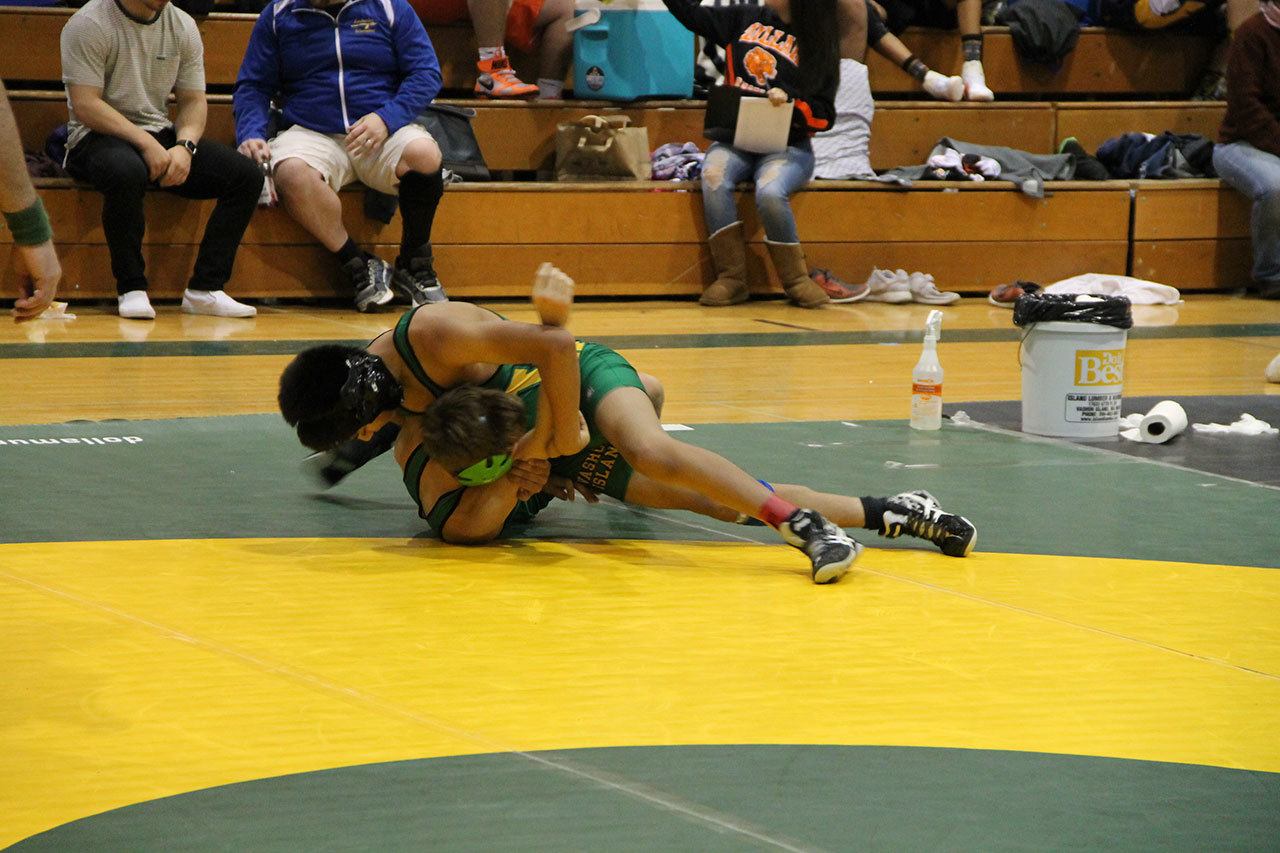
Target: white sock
{"points": [[487, 53], [548, 88]]}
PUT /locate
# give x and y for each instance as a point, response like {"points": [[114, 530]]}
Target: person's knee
{"points": [[772, 198], [655, 457], [421, 155], [244, 178], [714, 168], [294, 177]]}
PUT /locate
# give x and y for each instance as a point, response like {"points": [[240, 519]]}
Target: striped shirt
{"points": [[135, 64]]}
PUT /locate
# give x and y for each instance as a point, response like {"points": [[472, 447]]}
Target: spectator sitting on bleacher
{"points": [[120, 61], [348, 114], [521, 23], [787, 50], [1248, 156], [948, 15]]}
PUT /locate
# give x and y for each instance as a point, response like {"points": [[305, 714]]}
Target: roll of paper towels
{"points": [[1162, 423]]}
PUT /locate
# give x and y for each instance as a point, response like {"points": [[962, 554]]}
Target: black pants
{"points": [[116, 169]]}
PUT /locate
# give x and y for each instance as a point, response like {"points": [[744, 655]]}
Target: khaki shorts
{"points": [[327, 155]]}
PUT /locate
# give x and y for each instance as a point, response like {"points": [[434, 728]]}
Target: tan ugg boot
{"points": [[729, 256], [788, 260]]}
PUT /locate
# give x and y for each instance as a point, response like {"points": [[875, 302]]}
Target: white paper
{"points": [[1165, 420], [762, 128]]}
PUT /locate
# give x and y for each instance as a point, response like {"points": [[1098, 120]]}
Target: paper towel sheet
{"points": [[1246, 425]]}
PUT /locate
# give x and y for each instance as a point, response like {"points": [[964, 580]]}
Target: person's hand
{"points": [[530, 476], [256, 150], [367, 135], [879, 9], [179, 167], [157, 157], [38, 275], [565, 489], [777, 97], [552, 295]]}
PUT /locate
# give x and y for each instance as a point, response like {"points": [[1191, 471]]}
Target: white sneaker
{"points": [[215, 303], [135, 305], [975, 81], [924, 290], [1273, 370], [943, 88], [888, 286]]}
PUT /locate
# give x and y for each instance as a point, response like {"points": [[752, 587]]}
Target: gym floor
{"points": [[199, 651]]}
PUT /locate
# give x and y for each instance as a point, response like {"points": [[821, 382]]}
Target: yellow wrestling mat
{"points": [[139, 670]]}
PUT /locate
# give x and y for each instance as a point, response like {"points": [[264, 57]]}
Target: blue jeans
{"points": [[776, 176], [1256, 174]]}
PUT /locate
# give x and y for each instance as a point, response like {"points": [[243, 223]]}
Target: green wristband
{"points": [[30, 227]]}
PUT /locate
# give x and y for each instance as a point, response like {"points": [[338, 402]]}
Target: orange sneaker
{"points": [[498, 80]]}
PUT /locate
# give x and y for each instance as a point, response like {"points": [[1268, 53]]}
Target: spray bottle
{"points": [[926, 379]]}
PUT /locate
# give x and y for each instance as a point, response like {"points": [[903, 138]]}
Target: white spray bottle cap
{"points": [[933, 325]]}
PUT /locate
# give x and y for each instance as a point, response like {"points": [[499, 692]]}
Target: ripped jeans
{"points": [[776, 176]]}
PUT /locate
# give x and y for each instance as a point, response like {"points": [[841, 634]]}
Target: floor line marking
{"points": [[1114, 454], [620, 784]]}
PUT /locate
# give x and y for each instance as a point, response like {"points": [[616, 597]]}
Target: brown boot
{"points": [[729, 256], [788, 260]]}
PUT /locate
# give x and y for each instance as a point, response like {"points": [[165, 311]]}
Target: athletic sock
{"points": [[972, 47], [775, 511], [349, 251], [873, 512], [548, 88], [487, 53], [915, 67], [419, 197]]}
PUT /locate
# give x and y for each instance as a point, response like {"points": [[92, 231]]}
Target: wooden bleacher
{"points": [[1103, 62], [1186, 233], [607, 235]]}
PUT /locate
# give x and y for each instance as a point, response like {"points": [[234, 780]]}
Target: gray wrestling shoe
{"points": [[371, 281]]}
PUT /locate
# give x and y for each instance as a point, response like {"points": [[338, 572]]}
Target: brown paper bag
{"points": [[599, 148]]}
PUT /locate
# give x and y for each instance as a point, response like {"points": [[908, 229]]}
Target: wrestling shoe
{"points": [[830, 549], [498, 79], [371, 280], [417, 281], [327, 468], [919, 514]]}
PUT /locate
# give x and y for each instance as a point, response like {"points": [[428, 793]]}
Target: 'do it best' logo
{"points": [[1099, 367]]}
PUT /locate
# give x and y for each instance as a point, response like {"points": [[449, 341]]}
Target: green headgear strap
{"points": [[485, 471]]}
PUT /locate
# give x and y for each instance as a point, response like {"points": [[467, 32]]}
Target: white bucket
{"points": [[1072, 377]]}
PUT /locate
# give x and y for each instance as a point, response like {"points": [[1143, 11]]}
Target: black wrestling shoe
{"points": [[417, 282], [919, 514], [830, 549], [329, 467], [371, 281]]}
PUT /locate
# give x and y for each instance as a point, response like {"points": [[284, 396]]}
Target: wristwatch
{"points": [[189, 145]]}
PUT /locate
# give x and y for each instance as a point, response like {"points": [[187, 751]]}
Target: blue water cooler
{"points": [[629, 49]]}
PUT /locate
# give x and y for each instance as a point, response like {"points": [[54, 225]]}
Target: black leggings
{"points": [[116, 169]]}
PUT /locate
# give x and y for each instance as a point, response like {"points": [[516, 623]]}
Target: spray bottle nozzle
{"points": [[933, 325]]}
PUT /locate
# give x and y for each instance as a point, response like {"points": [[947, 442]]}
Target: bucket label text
{"points": [[1099, 367]]}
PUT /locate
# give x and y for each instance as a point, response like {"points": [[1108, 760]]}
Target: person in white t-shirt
{"points": [[120, 61]]}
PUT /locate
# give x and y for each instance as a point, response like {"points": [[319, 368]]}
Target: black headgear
{"points": [[370, 388]]}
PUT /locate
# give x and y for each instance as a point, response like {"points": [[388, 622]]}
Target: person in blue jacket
{"points": [[350, 77]]}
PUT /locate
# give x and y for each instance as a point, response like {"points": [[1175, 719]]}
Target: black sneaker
{"points": [[371, 280], [829, 548], [417, 282], [919, 514]]}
